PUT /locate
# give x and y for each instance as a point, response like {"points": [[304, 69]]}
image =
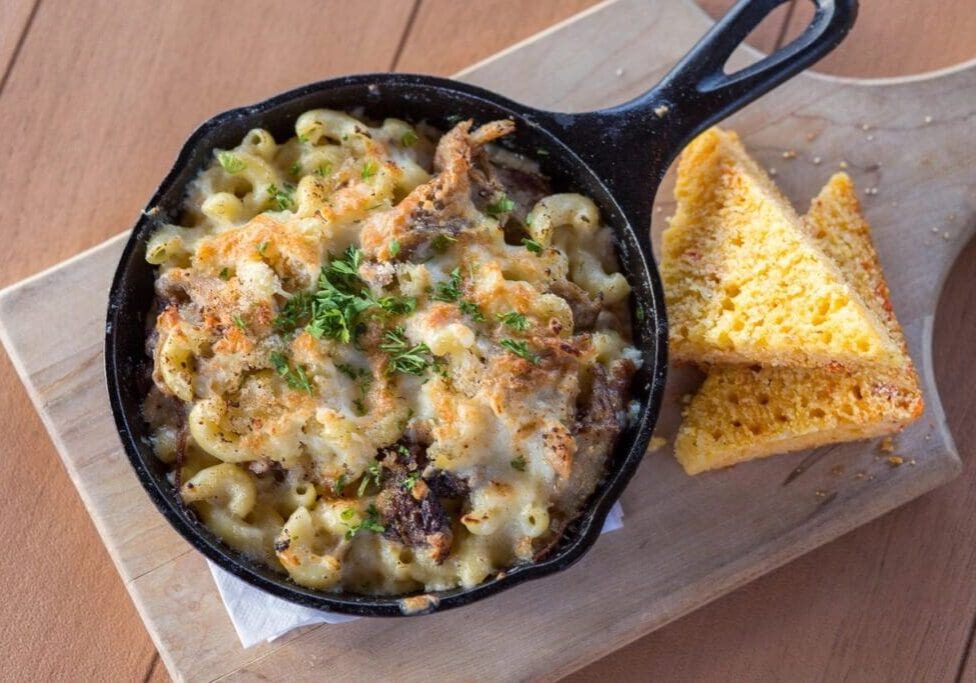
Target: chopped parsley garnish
{"points": [[442, 243], [532, 245], [224, 274], [369, 169], [502, 204], [411, 480], [371, 522], [394, 248], [240, 322], [542, 152], [471, 308], [303, 138], [231, 163], [410, 360], [294, 377], [295, 169], [640, 313], [340, 484], [282, 197], [409, 139], [450, 290], [323, 170], [261, 248], [374, 472], [296, 312], [335, 308], [347, 514], [513, 319], [517, 463], [521, 348]]}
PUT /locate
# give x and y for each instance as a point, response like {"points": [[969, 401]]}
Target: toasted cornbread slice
{"points": [[745, 283], [741, 413]]}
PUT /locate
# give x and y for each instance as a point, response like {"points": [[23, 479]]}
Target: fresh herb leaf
{"points": [[409, 139], [303, 138], [323, 170], [513, 319], [240, 322], [262, 247], [282, 197], [371, 522], [224, 274], [532, 245], [340, 484], [294, 377], [450, 290], [517, 463], [640, 313], [471, 308], [374, 472], [295, 169], [231, 163], [542, 152], [296, 312], [442, 243], [521, 348], [410, 360], [369, 169], [411, 480], [397, 305], [394, 248], [502, 204]]}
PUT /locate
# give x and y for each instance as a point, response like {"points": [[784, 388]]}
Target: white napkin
{"points": [[258, 616]]}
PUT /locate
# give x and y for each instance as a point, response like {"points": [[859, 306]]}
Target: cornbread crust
{"points": [[741, 413], [744, 281]]}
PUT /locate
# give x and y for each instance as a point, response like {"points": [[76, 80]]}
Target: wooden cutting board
{"points": [[686, 540]]}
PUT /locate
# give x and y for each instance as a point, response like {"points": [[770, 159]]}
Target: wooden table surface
{"points": [[95, 97]]}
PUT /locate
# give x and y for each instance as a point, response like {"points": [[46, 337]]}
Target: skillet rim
{"points": [[579, 536]]}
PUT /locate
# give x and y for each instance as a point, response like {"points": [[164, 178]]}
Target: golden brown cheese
{"points": [[361, 378]]}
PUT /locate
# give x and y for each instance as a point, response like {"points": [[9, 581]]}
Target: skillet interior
{"points": [[415, 98]]}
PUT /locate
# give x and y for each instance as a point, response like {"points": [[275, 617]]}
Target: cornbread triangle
{"points": [[745, 283], [742, 412]]}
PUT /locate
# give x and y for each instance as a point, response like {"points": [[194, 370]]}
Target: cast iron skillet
{"points": [[616, 156]]}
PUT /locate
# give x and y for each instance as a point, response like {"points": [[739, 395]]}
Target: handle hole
{"points": [[767, 36]]}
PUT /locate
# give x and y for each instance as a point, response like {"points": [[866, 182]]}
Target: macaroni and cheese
{"points": [[385, 362]]}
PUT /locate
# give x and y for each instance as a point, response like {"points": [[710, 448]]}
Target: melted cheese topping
{"points": [[383, 365]]}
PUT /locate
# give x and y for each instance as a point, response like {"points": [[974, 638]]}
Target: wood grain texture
{"points": [[14, 18], [66, 383], [96, 105], [467, 32], [58, 604]]}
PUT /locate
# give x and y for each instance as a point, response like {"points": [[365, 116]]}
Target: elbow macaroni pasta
{"points": [[361, 378]]}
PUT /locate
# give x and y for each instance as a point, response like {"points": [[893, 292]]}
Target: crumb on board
{"points": [[656, 443], [870, 138], [928, 119], [842, 164], [837, 470], [816, 161], [935, 230], [772, 171], [661, 111], [820, 493], [896, 460], [887, 445], [789, 154], [860, 475], [871, 191], [946, 236], [619, 72], [812, 136], [866, 126]]}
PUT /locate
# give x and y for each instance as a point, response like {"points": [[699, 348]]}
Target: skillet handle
{"points": [[705, 94], [654, 127]]}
